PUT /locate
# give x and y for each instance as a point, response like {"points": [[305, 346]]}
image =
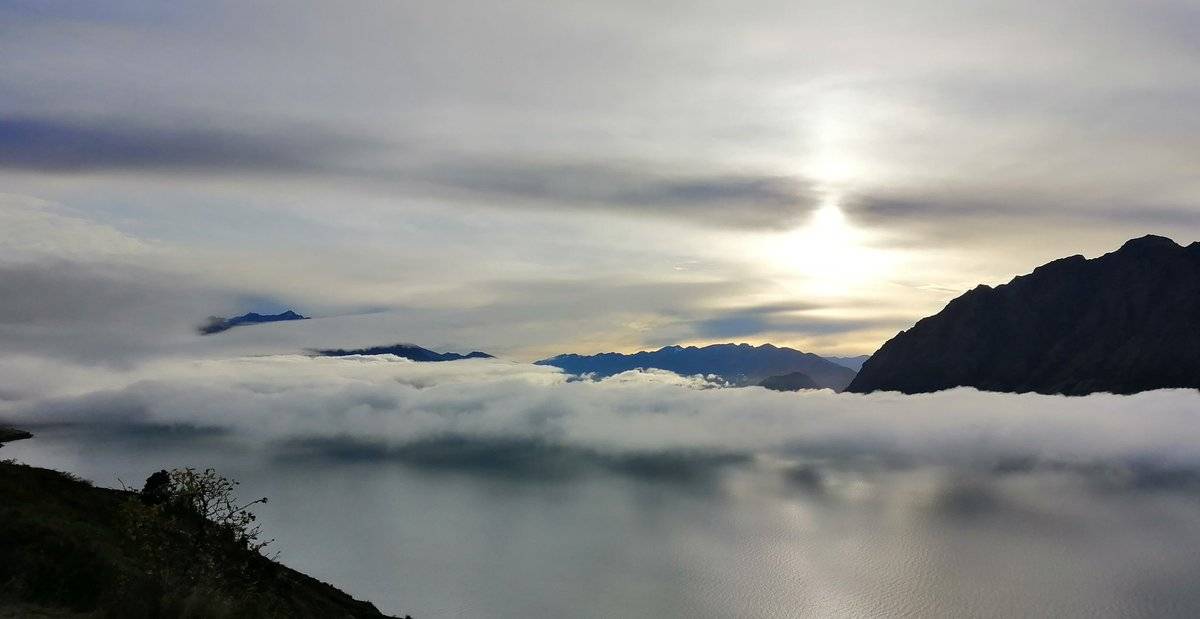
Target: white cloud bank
{"points": [[390, 404]]}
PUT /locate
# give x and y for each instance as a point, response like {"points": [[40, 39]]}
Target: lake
{"points": [[546, 533]]}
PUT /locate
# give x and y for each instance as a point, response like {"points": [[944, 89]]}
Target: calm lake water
{"points": [[757, 538]]}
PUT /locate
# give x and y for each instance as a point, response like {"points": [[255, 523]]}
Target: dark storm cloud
{"points": [[61, 146]]}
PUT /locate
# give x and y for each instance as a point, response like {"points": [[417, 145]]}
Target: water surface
{"points": [[763, 537]]}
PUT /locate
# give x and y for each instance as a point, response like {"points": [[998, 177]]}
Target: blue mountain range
{"points": [[740, 364], [408, 351]]}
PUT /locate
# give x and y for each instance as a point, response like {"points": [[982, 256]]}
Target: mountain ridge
{"points": [[217, 324], [741, 364], [408, 351], [1122, 322]]}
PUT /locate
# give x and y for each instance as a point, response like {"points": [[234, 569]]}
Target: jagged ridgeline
{"points": [[740, 364], [217, 324], [408, 351], [1124, 322]]}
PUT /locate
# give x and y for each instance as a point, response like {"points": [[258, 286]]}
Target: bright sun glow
{"points": [[829, 255]]}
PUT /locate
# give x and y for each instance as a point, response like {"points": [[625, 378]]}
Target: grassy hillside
{"points": [[70, 549]]}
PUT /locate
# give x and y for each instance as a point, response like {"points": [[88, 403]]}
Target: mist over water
{"points": [[474, 489]]}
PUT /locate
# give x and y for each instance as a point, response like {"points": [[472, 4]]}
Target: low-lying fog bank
{"points": [[385, 405]]}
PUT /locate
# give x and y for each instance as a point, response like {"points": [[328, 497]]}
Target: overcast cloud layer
{"points": [[591, 176]]}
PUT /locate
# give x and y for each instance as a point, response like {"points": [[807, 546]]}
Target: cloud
{"points": [[63, 145], [99, 312], [594, 144], [910, 484], [477, 412], [779, 318], [75, 289], [190, 146], [40, 230], [731, 200], [79, 288]]}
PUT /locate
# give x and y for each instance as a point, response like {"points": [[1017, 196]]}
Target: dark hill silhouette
{"points": [[217, 324], [741, 364], [73, 550], [794, 381], [8, 435], [1125, 322], [408, 351]]}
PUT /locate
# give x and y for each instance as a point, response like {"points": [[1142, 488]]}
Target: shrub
{"points": [[194, 542], [211, 497]]}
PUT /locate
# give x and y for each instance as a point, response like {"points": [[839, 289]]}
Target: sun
{"points": [[828, 256]]}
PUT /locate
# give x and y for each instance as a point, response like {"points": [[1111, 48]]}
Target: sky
{"points": [[530, 179]]}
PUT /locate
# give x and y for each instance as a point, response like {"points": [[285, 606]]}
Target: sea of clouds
{"points": [[386, 406], [959, 503]]}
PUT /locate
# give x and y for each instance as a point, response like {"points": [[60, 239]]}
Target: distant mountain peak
{"points": [[217, 324], [1123, 322], [407, 351], [1150, 241], [740, 364]]}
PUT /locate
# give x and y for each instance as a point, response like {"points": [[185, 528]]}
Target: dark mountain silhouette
{"points": [[1125, 322], [217, 324], [408, 351], [794, 381], [854, 363], [741, 364]]}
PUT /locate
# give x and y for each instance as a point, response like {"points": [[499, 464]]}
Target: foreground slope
{"points": [[1125, 322], [68, 549], [741, 364]]}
